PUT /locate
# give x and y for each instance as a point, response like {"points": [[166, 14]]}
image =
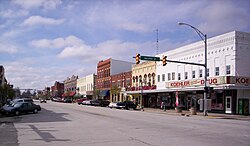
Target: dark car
{"points": [[99, 102], [130, 104], [67, 100], [21, 107]]}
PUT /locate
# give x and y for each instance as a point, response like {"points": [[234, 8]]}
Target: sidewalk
{"points": [[187, 113]]}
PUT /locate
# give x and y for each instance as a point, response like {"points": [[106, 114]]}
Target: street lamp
{"points": [[204, 39]]}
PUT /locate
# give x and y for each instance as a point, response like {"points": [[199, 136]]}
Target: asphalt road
{"points": [[72, 124]]}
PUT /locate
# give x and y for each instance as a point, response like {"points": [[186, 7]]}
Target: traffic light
{"points": [[164, 60], [137, 58], [209, 89]]}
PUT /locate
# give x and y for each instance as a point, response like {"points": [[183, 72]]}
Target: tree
{"points": [[6, 92], [115, 90]]}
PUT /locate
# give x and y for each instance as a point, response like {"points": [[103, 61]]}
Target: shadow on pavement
{"points": [[42, 116], [45, 135]]}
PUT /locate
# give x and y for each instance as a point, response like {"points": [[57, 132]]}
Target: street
{"points": [[72, 124]]}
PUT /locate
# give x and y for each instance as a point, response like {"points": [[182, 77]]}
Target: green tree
{"points": [[6, 92], [115, 90]]}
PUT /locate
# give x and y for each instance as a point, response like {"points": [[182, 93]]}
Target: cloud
{"points": [[7, 48], [38, 20], [57, 43], [223, 16], [13, 14], [45, 4]]}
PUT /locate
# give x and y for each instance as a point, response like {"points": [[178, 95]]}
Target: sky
{"points": [[43, 41]]}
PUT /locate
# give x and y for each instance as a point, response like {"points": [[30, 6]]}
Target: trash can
{"points": [[178, 109]]}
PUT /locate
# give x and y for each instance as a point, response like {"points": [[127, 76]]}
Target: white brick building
{"points": [[228, 58]]}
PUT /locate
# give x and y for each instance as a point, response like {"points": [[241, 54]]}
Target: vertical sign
{"points": [[176, 100]]}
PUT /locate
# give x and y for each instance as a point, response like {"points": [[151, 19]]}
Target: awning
{"points": [[104, 93], [78, 95], [72, 93]]}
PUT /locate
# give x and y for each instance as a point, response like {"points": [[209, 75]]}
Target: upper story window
{"points": [[217, 71], [179, 76], [228, 70], [207, 72], [163, 77], [169, 76], [193, 74], [186, 75], [173, 75], [200, 73], [159, 78]]}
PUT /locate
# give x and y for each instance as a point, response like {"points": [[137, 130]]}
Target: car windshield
{"points": [[16, 104]]}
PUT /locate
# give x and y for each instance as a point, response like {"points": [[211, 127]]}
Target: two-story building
{"points": [[228, 73], [85, 86], [143, 89], [105, 69], [70, 86], [120, 82]]}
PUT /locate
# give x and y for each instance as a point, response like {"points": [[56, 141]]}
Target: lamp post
{"points": [[204, 39]]}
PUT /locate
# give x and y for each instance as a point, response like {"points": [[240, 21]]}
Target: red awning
{"points": [[72, 93], [68, 94]]}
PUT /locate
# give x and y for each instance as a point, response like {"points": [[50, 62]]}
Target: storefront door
{"points": [[228, 104]]}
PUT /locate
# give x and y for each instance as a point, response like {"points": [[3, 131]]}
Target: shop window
{"points": [[217, 71], [227, 69], [193, 74]]}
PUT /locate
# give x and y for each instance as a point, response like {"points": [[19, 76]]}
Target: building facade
{"points": [[70, 86], [105, 69], [119, 83], [57, 89], [228, 74], [85, 86], [144, 84]]}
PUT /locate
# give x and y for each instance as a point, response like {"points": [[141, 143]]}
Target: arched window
{"points": [[149, 79], [153, 78]]}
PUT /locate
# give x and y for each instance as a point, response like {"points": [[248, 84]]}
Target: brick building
{"points": [[120, 82], [105, 69]]}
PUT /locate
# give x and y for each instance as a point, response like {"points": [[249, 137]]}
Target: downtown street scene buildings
{"points": [[149, 84]]}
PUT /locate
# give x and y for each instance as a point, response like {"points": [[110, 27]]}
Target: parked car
{"points": [[79, 101], [118, 105], [21, 107], [130, 104], [86, 102], [67, 100], [99, 102], [42, 100], [57, 99], [21, 100]]}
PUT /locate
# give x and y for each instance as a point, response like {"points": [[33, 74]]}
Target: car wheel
{"points": [[17, 113], [35, 111]]}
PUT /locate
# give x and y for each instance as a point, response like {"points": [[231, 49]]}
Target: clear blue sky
{"points": [[43, 41]]}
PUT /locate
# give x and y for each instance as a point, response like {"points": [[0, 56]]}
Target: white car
{"points": [[86, 102], [118, 105]]}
